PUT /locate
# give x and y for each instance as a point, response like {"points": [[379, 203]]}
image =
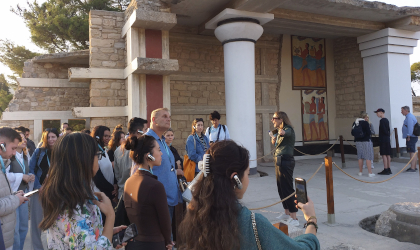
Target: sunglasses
{"points": [[50, 130], [275, 118]]}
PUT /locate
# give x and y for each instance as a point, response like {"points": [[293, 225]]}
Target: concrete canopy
{"points": [[326, 18], [76, 57]]}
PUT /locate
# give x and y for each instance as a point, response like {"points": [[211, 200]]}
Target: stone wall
{"points": [[200, 79], [349, 78], [107, 50], [416, 104], [45, 99]]}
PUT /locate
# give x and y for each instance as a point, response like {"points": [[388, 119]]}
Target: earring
{"points": [[238, 182]]}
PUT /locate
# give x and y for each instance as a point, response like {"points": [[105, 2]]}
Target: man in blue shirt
{"points": [[411, 140], [160, 122]]}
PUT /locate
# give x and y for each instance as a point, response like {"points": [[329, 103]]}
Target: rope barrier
{"points": [[264, 155], [319, 153], [376, 182], [320, 166], [350, 143]]}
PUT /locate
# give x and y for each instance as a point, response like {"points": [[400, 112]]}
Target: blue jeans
{"points": [[21, 229]]}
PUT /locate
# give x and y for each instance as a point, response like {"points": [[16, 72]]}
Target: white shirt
{"points": [[106, 168], [215, 132], [15, 179]]}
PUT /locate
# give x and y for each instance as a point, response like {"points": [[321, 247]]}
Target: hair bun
{"points": [[131, 143]]}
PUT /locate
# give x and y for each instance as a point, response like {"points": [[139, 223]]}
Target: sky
{"points": [[14, 29]]}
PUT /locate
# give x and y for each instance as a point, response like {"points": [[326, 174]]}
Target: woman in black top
{"points": [[118, 137], [169, 138]]}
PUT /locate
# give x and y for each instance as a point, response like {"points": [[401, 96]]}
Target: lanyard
{"points": [[100, 148], [143, 169], [167, 151], [48, 159], [23, 165], [3, 168]]}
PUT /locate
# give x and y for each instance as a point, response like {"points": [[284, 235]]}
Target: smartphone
{"points": [[301, 194], [28, 194], [124, 235]]}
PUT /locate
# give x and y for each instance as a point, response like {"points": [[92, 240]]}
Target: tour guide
{"points": [[285, 164]]}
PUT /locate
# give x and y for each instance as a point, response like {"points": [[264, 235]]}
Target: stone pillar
{"points": [[386, 65], [148, 65], [238, 31]]}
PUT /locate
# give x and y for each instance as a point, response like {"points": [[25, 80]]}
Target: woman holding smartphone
{"points": [[216, 220], [145, 197], [72, 212], [39, 166], [285, 164]]}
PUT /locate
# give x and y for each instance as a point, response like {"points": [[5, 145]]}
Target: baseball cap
{"points": [[379, 110]]}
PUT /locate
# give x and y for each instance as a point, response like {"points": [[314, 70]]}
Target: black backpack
{"points": [[416, 130], [357, 131]]}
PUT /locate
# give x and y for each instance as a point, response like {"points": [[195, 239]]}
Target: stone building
{"points": [[244, 58]]}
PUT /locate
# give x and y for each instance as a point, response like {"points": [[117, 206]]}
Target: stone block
{"points": [[109, 64], [107, 92], [98, 102], [95, 92], [98, 84], [95, 21], [106, 43], [115, 85], [108, 22]]}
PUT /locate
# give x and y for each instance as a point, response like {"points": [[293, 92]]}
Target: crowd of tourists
{"points": [[362, 130], [91, 185]]}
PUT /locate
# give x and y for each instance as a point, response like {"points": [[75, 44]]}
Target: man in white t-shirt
{"points": [[217, 132]]}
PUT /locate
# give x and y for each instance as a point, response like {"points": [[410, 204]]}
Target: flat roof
{"points": [[74, 57]]}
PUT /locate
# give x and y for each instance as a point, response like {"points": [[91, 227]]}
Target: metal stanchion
{"points": [[343, 160], [397, 145]]}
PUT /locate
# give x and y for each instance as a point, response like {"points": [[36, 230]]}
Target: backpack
{"points": [[416, 130], [357, 131], [224, 130]]}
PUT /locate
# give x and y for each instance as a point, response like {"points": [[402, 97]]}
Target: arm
{"points": [[410, 127], [161, 206], [32, 161], [191, 151], [271, 236], [287, 132], [8, 204], [14, 179], [117, 170]]}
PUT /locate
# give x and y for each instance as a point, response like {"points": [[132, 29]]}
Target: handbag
{"points": [[121, 217], [254, 227], [189, 166]]}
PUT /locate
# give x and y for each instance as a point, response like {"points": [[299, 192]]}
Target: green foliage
{"points": [[63, 25], [415, 72], [5, 95]]}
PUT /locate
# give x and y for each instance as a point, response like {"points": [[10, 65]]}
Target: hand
{"points": [[117, 230], [26, 178], [169, 246], [408, 138], [273, 140], [115, 189], [282, 132], [178, 162], [32, 179], [104, 204], [179, 172], [308, 209], [22, 198]]}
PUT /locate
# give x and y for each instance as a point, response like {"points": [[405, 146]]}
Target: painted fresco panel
{"points": [[308, 60], [314, 115]]}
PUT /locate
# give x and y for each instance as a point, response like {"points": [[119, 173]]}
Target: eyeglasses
{"points": [[275, 118], [99, 154]]}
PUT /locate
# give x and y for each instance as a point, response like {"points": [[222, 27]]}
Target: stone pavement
{"points": [[354, 201]]}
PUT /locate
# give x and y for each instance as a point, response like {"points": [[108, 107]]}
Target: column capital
{"points": [[237, 25], [388, 40]]}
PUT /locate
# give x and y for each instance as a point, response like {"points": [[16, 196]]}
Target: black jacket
{"points": [[366, 131]]}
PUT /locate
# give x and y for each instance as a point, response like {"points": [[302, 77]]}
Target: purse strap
{"points": [[254, 227], [116, 207]]}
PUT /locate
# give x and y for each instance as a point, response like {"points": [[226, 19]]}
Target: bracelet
{"points": [[312, 217], [311, 223]]}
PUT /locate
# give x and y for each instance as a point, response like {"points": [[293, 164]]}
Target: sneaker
{"points": [[360, 173], [371, 175], [292, 222], [386, 171], [411, 170], [284, 217]]}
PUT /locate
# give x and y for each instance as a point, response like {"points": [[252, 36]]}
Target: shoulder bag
{"points": [[254, 228], [189, 166]]}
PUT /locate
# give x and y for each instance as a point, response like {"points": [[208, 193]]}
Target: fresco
{"points": [[314, 115]]}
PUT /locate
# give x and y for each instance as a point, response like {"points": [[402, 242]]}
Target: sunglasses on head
{"points": [[50, 130]]}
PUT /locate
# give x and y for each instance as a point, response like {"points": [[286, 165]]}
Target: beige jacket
{"points": [[8, 205]]}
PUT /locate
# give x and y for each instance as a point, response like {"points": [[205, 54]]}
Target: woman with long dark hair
{"points": [[118, 138], [145, 197], [197, 142], [39, 165], [285, 165], [216, 220], [72, 212], [104, 180]]}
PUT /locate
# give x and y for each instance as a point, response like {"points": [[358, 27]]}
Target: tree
{"points": [[63, 25], [415, 75], [5, 95], [14, 56]]}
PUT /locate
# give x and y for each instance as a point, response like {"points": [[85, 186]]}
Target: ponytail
{"points": [[139, 146]]}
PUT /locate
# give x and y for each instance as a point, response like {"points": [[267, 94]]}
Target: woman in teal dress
{"points": [[216, 220]]}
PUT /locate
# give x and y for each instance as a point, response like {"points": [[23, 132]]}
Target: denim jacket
{"points": [[196, 154], [33, 164]]}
